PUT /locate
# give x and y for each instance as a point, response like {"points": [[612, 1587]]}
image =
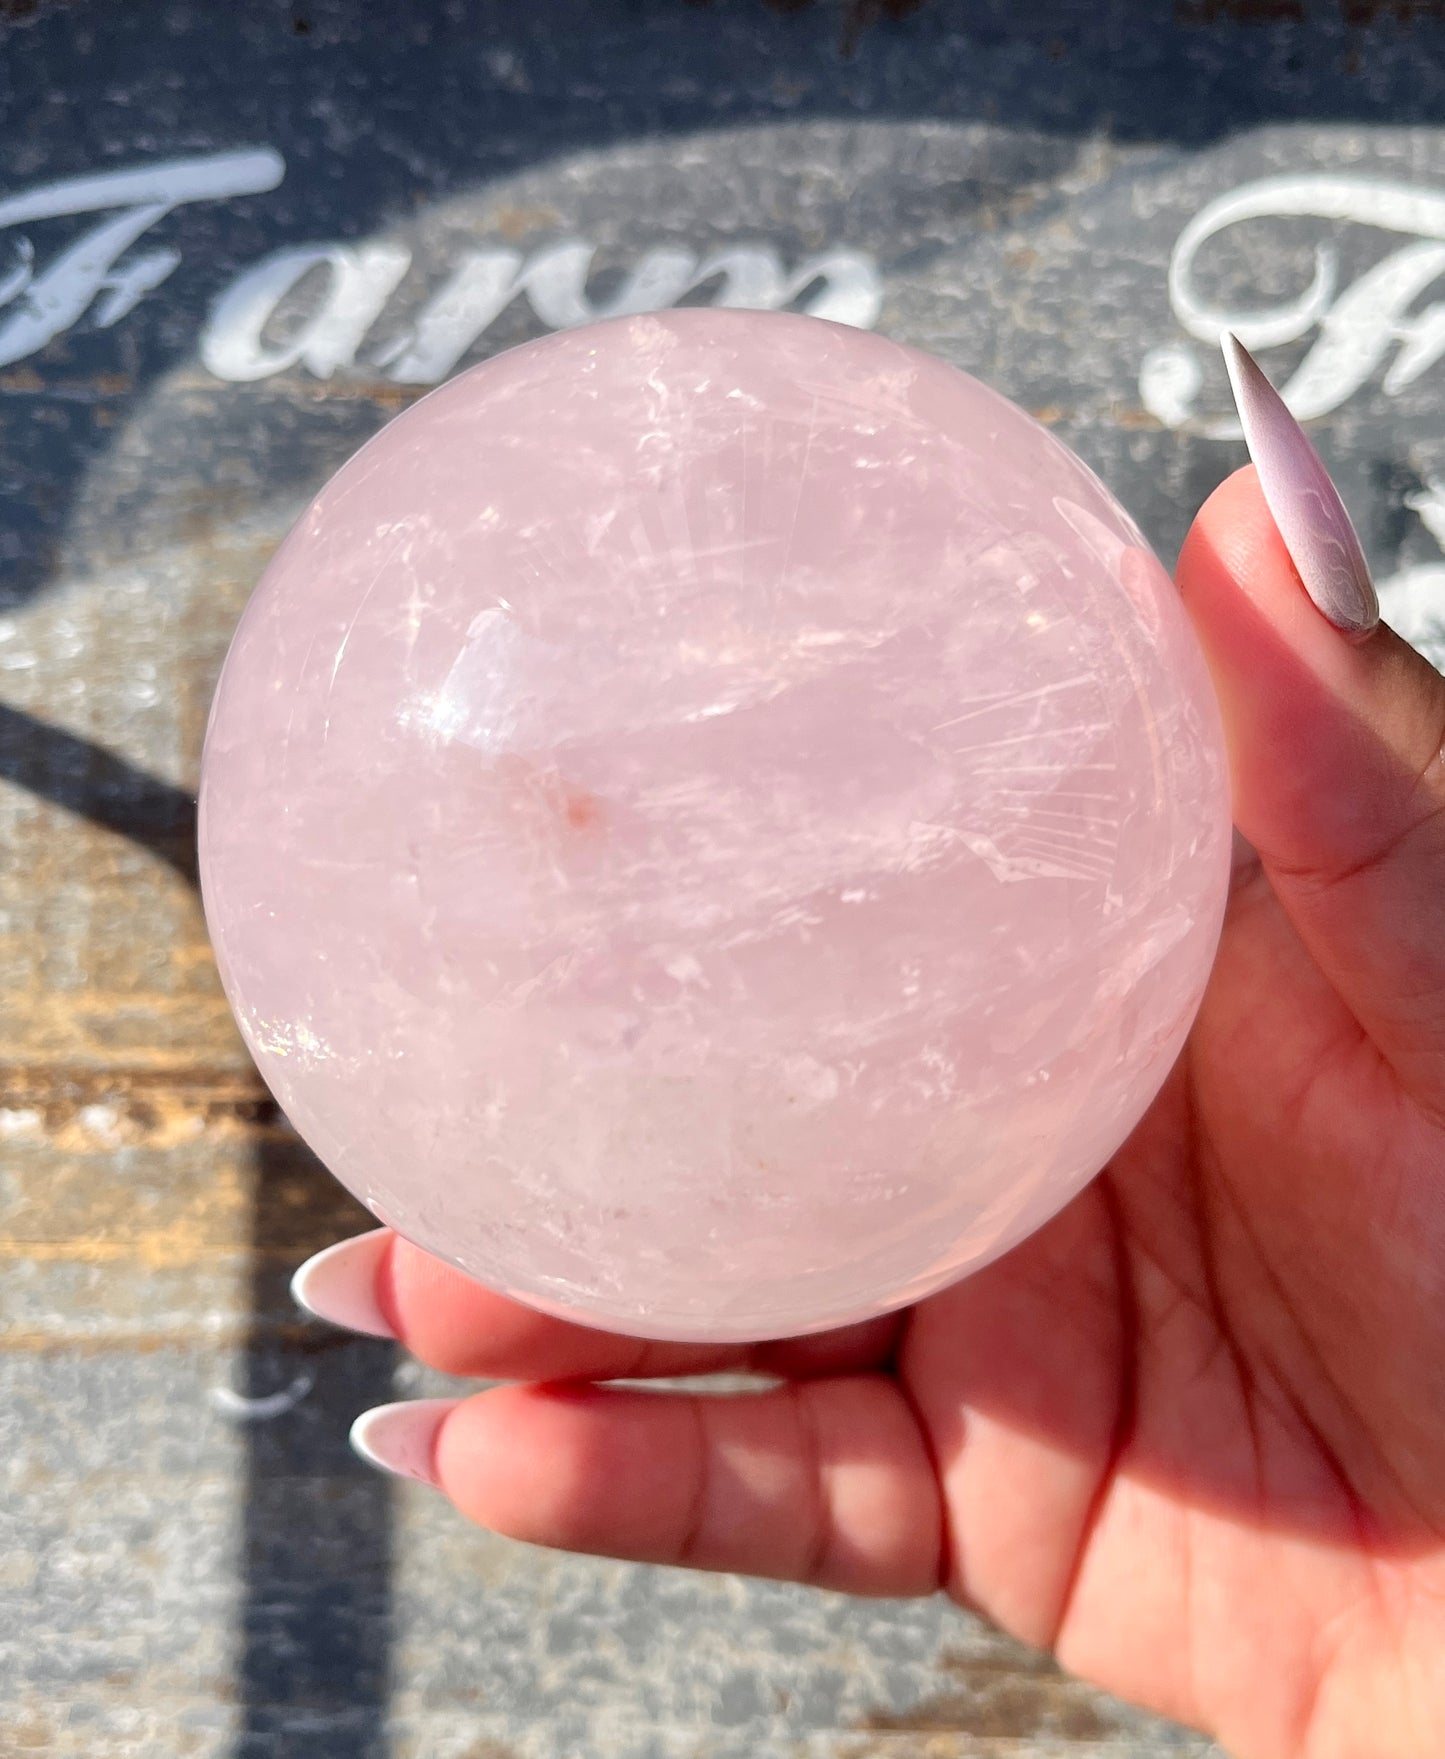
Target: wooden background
{"points": [[191, 1563]]}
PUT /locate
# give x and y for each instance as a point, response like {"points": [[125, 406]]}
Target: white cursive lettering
{"points": [[1357, 327], [841, 285], [358, 281], [342, 290], [88, 272]]}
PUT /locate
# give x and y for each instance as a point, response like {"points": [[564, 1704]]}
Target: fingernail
{"points": [[339, 1284], [402, 1438], [1305, 504]]}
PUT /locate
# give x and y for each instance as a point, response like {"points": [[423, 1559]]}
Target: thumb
{"points": [[1339, 782]]}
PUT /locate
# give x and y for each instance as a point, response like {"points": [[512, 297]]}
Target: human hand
{"points": [[1191, 1435]]}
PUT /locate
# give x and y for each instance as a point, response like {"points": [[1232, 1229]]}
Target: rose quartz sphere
{"points": [[714, 824]]}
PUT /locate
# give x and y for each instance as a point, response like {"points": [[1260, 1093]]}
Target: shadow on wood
{"points": [[313, 1671], [97, 785], [314, 1626]]}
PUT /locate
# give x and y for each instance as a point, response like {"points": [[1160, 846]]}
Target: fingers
{"points": [[1339, 783], [381, 1284], [826, 1481]]}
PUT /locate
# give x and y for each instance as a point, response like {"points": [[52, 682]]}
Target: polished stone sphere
{"points": [[715, 824]]}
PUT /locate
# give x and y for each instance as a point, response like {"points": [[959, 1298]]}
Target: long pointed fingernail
{"points": [[1305, 504], [402, 1438], [339, 1284]]}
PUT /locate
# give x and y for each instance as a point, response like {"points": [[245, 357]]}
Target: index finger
{"points": [[1338, 779]]}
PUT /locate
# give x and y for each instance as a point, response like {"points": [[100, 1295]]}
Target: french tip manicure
{"points": [[339, 1284], [401, 1438], [1305, 504]]}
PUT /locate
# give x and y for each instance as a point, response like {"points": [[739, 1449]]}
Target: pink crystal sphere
{"points": [[714, 824]]}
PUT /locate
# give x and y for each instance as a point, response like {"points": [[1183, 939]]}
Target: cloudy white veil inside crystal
{"points": [[715, 824]]}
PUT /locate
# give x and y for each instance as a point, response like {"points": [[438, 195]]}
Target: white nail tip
{"points": [[1305, 504], [339, 1285], [401, 1438]]}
